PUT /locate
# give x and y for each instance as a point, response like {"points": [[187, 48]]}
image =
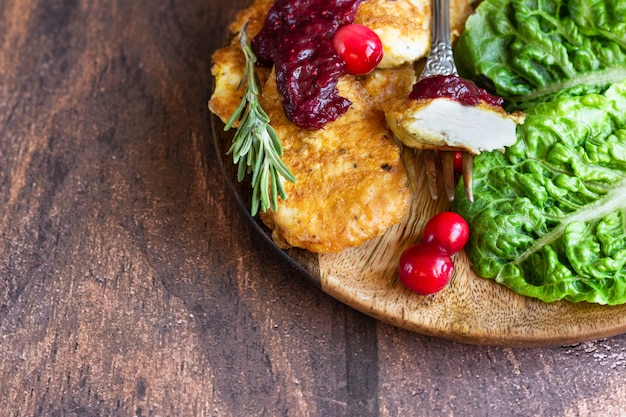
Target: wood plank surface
{"points": [[131, 284]]}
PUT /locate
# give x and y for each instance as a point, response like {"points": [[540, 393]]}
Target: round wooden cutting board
{"points": [[469, 310]]}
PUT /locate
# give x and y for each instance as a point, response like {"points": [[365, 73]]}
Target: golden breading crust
{"points": [[386, 84], [229, 62], [254, 15], [228, 69], [351, 184]]}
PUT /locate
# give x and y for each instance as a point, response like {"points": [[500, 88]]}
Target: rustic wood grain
{"points": [[132, 284]]}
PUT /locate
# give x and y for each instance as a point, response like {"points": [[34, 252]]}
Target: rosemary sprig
{"points": [[256, 147]]}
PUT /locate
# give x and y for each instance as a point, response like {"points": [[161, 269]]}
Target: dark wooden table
{"points": [[132, 284]]}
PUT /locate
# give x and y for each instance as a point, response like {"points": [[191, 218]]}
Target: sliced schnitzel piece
{"points": [[446, 124], [403, 26], [351, 184], [447, 112]]}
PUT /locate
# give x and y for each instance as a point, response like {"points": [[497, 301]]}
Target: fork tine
{"points": [[448, 173], [468, 162], [430, 161], [409, 157]]}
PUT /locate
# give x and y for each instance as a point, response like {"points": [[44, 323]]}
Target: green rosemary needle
{"points": [[256, 147]]}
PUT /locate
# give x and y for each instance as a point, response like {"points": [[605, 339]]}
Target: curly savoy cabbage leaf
{"points": [[529, 50], [549, 217]]}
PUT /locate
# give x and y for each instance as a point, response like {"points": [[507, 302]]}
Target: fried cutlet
{"points": [[351, 184]]}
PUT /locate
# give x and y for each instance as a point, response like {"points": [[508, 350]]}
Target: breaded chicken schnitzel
{"points": [[351, 184]]}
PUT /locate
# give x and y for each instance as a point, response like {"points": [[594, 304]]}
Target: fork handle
{"points": [[440, 60]]}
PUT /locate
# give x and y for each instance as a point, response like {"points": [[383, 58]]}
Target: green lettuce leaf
{"points": [[549, 217], [530, 50]]}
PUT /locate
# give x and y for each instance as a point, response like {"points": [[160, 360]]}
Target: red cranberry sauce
{"points": [[297, 38], [453, 87]]}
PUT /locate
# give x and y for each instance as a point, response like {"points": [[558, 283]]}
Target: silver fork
{"points": [[440, 61]]}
